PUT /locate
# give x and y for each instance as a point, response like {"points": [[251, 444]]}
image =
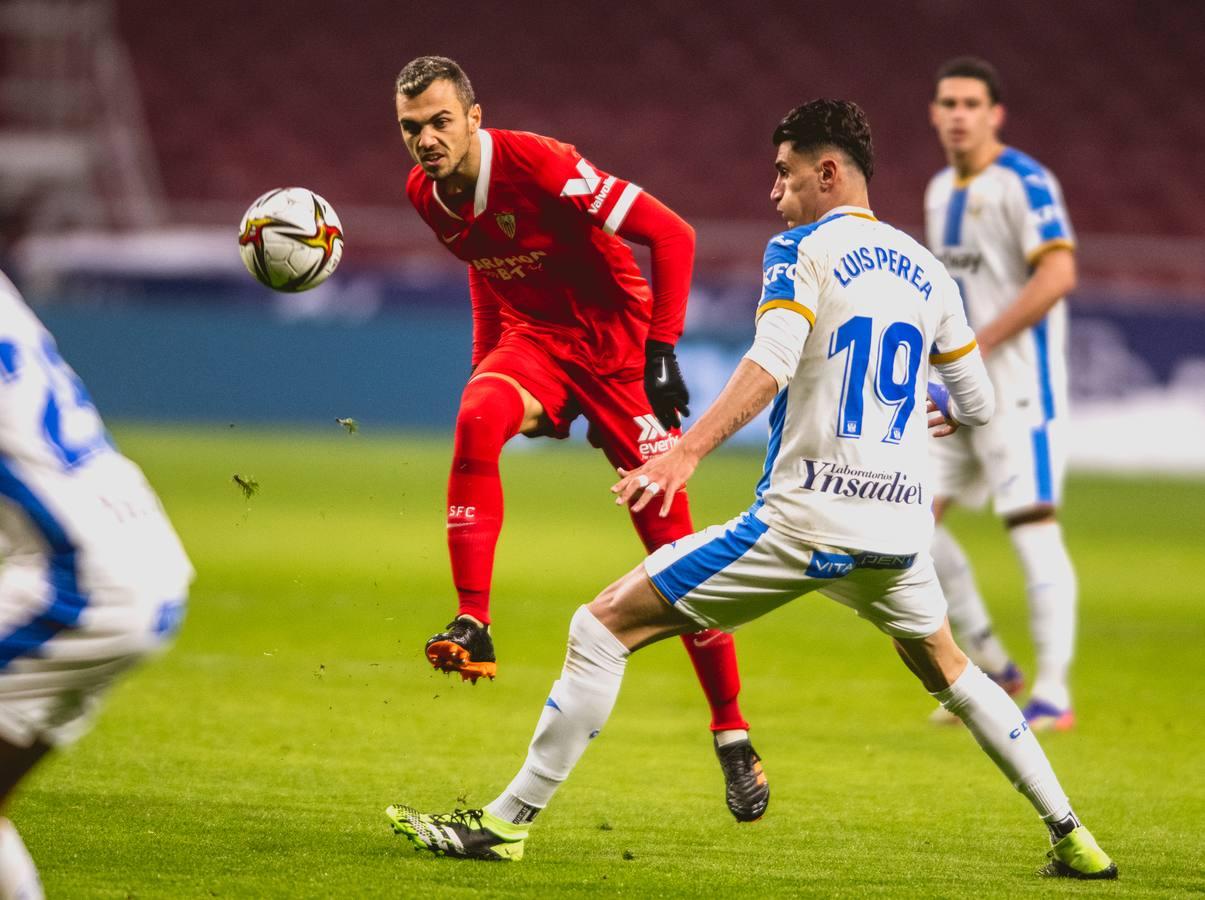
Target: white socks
{"points": [[1051, 587], [18, 876], [999, 728], [968, 616], [575, 711], [731, 736]]}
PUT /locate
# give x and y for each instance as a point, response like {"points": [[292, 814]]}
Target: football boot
{"points": [[462, 834], [466, 647], [1043, 716], [745, 786], [1077, 855]]}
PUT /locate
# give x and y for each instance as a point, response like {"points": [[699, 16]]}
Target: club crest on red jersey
{"points": [[506, 221]]}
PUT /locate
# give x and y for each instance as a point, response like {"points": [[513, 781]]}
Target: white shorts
{"points": [[1015, 461], [59, 653], [726, 575]]}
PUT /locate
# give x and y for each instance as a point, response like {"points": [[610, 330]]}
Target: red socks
{"points": [[712, 653], [491, 412]]}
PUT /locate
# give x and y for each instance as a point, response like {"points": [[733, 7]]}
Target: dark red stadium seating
{"points": [[680, 97]]}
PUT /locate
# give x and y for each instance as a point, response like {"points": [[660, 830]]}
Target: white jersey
{"points": [[989, 231], [71, 506], [848, 458]]}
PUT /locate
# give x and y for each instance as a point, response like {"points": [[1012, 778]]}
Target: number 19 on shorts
{"points": [[899, 347]]}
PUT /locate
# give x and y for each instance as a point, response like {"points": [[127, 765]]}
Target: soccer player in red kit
{"points": [[564, 324]]}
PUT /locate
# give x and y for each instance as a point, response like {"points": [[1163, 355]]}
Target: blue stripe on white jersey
{"points": [[1042, 202], [66, 602], [778, 263], [778, 415], [952, 234], [1052, 226], [10, 362]]}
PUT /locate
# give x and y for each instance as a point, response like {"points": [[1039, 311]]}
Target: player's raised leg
{"points": [[1000, 729], [968, 613], [628, 431], [626, 616], [493, 409]]}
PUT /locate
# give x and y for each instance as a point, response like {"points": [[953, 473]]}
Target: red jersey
{"points": [[540, 240]]}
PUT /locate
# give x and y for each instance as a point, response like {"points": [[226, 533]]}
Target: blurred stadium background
{"points": [[133, 137]]}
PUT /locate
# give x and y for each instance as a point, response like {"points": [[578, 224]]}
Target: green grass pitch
{"points": [[256, 758]]}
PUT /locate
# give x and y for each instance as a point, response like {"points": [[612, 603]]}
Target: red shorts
{"points": [[622, 423]]}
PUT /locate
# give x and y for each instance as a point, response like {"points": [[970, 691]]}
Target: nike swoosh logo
{"points": [[710, 639], [449, 238], [663, 378]]}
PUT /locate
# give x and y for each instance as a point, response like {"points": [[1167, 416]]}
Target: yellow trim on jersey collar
{"points": [[860, 211], [938, 358], [961, 182], [793, 305], [1052, 244]]}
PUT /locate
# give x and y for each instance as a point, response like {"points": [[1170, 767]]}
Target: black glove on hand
{"points": [[663, 384]]}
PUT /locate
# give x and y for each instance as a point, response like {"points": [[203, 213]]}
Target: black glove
{"points": [[663, 384]]}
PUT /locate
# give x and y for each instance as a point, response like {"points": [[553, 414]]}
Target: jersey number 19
{"points": [[895, 378]]}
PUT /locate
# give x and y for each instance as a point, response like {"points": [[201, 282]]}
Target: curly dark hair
{"points": [[829, 123], [973, 67], [420, 73]]}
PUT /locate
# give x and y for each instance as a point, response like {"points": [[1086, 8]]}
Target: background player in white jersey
{"points": [[995, 217], [852, 314], [93, 578]]}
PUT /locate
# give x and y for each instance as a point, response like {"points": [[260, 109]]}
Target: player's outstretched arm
{"points": [[671, 242], [748, 392], [1053, 278]]}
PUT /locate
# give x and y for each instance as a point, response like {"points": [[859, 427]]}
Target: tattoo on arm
{"points": [[736, 423], [747, 393]]}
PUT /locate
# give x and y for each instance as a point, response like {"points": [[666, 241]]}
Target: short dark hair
{"points": [[420, 73], [973, 67], [829, 123]]}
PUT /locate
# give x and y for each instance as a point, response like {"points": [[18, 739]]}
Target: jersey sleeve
{"points": [[1035, 212], [487, 316], [672, 242], [414, 187], [778, 344], [954, 338], [577, 184], [789, 279]]}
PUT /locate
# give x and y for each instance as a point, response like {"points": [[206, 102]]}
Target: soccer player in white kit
{"points": [[852, 316], [93, 578], [996, 218]]}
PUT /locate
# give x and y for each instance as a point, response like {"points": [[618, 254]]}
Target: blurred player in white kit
{"points": [[93, 576], [995, 217]]}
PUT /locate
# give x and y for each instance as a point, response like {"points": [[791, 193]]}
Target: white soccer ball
{"points": [[291, 239]]}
